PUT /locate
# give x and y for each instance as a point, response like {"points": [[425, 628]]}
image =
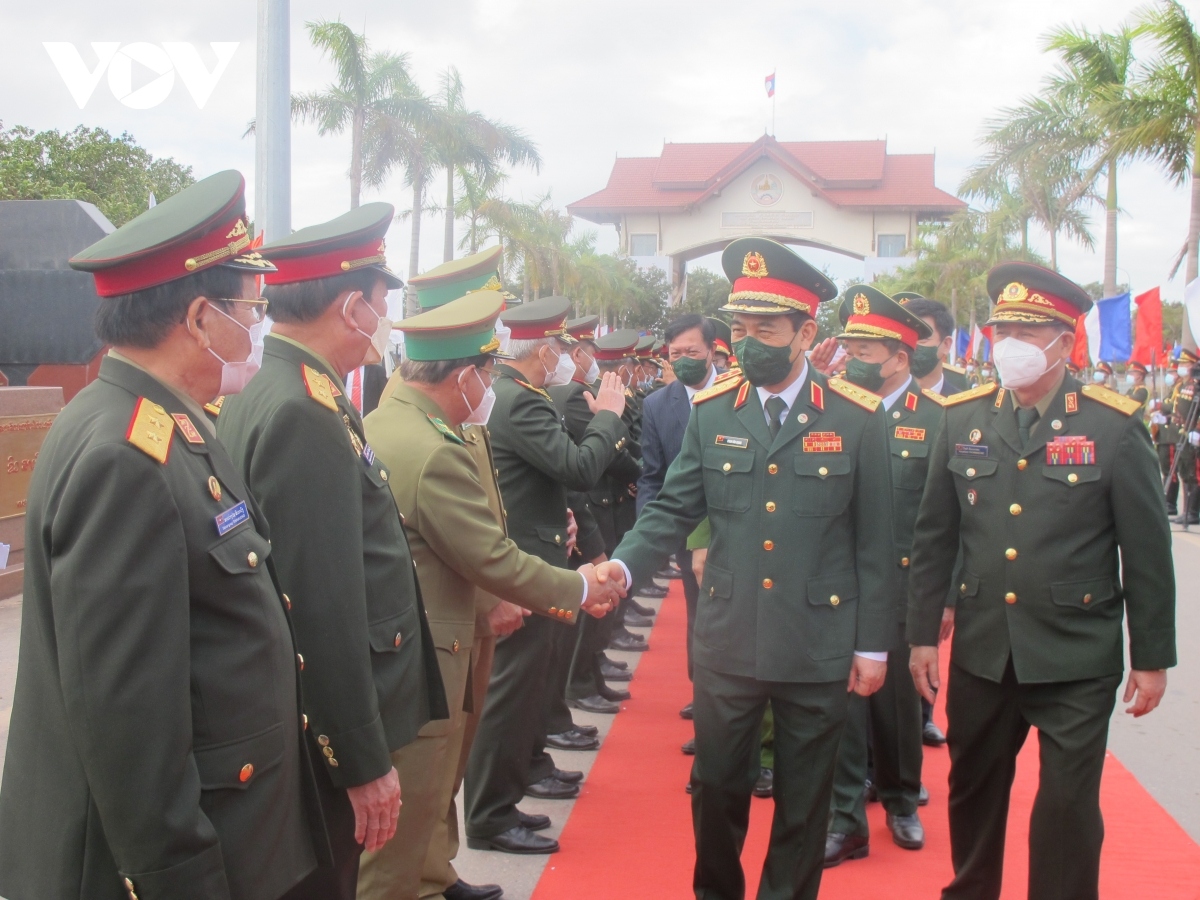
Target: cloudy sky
{"points": [[590, 81]]}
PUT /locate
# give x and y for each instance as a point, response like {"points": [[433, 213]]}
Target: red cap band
{"points": [[875, 326], [536, 331], [774, 290], [219, 245], [610, 355], [327, 264]]}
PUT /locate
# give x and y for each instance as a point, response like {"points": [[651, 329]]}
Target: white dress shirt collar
{"points": [[895, 395], [788, 395]]}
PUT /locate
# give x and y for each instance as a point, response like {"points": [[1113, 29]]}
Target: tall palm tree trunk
{"points": [[1193, 263], [414, 252], [1054, 249], [356, 158], [1110, 233], [448, 246]]}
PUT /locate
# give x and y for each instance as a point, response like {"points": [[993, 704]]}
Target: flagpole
{"points": [[774, 91]]}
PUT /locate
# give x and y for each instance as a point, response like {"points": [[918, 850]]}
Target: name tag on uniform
{"points": [[910, 434], [1071, 451], [971, 451], [822, 442], [231, 518], [724, 440]]}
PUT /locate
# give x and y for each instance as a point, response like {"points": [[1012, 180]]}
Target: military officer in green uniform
{"points": [[1052, 489], [797, 604], [537, 464], [156, 745], [371, 678], [1135, 378], [458, 546]]}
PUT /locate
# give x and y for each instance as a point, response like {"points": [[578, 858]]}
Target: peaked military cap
{"points": [[583, 328], [1187, 357], [645, 347], [203, 225], [449, 281], [904, 296], [723, 341], [456, 330], [1134, 366], [352, 241], [867, 313], [1023, 292], [538, 319], [616, 345], [769, 279]]}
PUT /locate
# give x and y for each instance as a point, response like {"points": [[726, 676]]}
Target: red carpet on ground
{"points": [[630, 833]]}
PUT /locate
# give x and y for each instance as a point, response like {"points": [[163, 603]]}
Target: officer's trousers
{"points": [[728, 712], [988, 723]]}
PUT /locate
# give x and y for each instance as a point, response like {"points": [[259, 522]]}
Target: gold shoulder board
{"points": [[530, 387], [856, 395], [150, 430], [983, 390], [1118, 402], [318, 387], [956, 369], [725, 376], [716, 390], [934, 396], [214, 408]]}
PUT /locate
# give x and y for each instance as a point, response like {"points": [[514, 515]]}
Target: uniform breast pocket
{"points": [[243, 552], [969, 470], [1070, 483], [823, 484], [909, 465], [729, 478]]}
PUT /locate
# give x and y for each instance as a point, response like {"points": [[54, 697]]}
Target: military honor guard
{"points": [[797, 604], [1052, 490], [156, 746], [370, 671], [537, 464], [459, 546], [1135, 380]]}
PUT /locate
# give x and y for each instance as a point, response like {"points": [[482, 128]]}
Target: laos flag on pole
{"points": [[770, 82]]}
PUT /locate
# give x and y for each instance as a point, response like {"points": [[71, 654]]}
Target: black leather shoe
{"points": [[533, 822], [630, 642], [616, 695], [633, 620], [907, 831], [931, 735], [689, 749], [686, 712], [515, 840], [586, 730], [572, 740], [923, 796], [612, 673], [765, 786], [619, 663], [569, 776], [631, 603], [841, 847], [652, 592], [670, 570], [595, 704], [460, 890], [551, 788]]}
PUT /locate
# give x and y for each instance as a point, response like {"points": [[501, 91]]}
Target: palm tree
{"points": [[476, 192], [467, 141], [369, 86]]}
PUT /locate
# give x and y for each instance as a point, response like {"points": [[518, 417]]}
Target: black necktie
{"points": [[1026, 417], [776, 410]]}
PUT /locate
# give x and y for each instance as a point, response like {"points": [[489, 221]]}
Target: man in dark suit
{"points": [[930, 365], [665, 414]]}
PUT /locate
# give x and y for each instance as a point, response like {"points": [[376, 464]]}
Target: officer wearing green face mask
{"points": [[880, 337], [930, 365], [797, 605]]}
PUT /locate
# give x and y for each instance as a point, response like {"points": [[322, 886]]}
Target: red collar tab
{"points": [[818, 396], [910, 402]]}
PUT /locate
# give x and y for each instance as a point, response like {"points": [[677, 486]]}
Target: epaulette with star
{"points": [[856, 395], [716, 389], [983, 390], [318, 386], [445, 429], [934, 396], [150, 430], [214, 408], [956, 369], [536, 390], [725, 376], [1119, 402]]}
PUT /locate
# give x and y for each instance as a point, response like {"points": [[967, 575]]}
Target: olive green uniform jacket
{"points": [[1053, 555], [371, 678], [156, 730], [801, 568]]}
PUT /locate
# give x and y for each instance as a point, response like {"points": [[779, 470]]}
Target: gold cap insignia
{"points": [[862, 306], [754, 266], [238, 230], [1014, 293]]}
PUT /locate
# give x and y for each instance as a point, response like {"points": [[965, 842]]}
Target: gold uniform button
{"points": [[252, 559], [768, 583], [129, 887], [247, 773], [305, 717], [1010, 598], [570, 615], [1072, 478], [558, 539], [328, 751], [768, 545], [300, 661], [562, 613], [323, 740], [904, 454], [773, 469], [1022, 464], [552, 610], [454, 646], [962, 589], [496, 472], [726, 467], [822, 471], [383, 474], [1015, 509], [835, 600], [904, 562], [770, 506], [333, 762], [1087, 598], [970, 473], [399, 637], [896, 414], [710, 591], [287, 601], [1010, 554]]}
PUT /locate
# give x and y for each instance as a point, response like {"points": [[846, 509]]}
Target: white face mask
{"points": [[480, 414], [1169, 378], [1021, 363], [236, 375], [1098, 377], [1183, 371], [592, 373], [1128, 378], [379, 340], [561, 373]]}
